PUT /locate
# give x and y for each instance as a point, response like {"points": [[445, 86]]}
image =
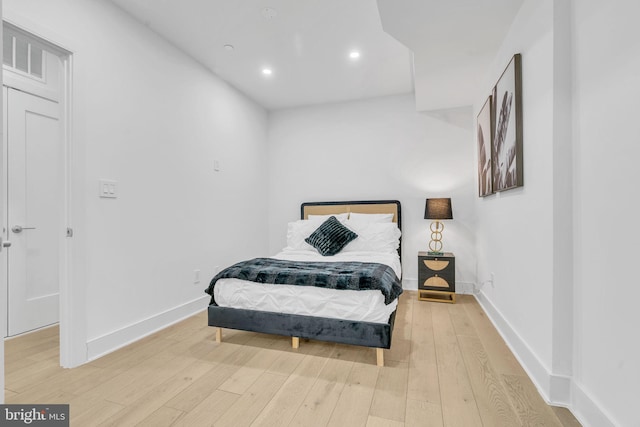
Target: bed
{"points": [[318, 313]]}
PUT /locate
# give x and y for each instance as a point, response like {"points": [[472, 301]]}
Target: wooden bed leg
{"points": [[295, 342], [218, 335], [379, 357]]}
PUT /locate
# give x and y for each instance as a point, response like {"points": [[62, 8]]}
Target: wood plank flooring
{"points": [[447, 367]]}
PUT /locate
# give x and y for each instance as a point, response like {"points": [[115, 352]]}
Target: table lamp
{"points": [[437, 209]]}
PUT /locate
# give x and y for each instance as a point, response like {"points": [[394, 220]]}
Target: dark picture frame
{"points": [[484, 128], [506, 152]]}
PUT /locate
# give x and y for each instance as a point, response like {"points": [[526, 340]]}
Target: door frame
{"points": [[3, 297], [73, 332]]}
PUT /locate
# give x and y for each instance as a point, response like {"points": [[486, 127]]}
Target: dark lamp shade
{"points": [[438, 209]]}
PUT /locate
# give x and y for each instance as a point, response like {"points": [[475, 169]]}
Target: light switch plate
{"points": [[108, 188]]}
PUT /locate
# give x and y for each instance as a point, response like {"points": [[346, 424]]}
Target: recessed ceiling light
{"points": [[229, 47], [267, 71], [354, 54]]}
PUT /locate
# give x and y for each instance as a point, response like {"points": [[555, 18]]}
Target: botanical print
{"points": [[484, 149], [506, 145]]}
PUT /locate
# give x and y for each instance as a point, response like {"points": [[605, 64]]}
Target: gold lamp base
{"points": [[435, 245]]}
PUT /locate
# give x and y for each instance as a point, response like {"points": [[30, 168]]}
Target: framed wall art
{"points": [[484, 129], [506, 151]]}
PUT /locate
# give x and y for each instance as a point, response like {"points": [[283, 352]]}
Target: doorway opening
{"points": [[36, 76]]}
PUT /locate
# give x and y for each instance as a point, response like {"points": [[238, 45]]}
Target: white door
{"points": [[34, 194]]}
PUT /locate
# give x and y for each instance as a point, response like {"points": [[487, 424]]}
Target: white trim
{"points": [[73, 349], [410, 284], [21, 82], [3, 297], [24, 23], [465, 288], [100, 346], [73, 316], [536, 370], [559, 390], [587, 411]]}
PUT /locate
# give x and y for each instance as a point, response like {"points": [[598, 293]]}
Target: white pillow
{"points": [[340, 217], [299, 230], [363, 217], [373, 237]]}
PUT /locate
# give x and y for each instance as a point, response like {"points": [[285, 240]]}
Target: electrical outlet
{"points": [[196, 276], [492, 280]]}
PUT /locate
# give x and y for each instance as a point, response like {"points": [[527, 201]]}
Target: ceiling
{"points": [[306, 44], [454, 41]]}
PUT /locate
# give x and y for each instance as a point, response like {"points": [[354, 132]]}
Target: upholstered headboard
{"points": [[366, 206]]}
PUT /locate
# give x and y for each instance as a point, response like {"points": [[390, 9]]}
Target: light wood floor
{"points": [[447, 367]]}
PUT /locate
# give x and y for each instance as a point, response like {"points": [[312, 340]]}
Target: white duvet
{"points": [[365, 306]]}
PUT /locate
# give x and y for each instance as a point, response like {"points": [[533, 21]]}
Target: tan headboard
{"points": [[367, 206], [322, 208]]}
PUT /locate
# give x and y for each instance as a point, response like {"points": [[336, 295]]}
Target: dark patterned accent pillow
{"points": [[330, 237]]}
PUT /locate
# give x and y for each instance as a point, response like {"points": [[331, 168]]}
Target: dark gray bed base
{"points": [[366, 334]]}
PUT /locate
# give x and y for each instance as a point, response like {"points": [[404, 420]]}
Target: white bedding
{"points": [[366, 306]]}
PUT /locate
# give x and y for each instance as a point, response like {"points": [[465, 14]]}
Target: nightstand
{"points": [[437, 277]]}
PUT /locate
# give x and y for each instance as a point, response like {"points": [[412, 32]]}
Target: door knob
{"points": [[18, 228]]}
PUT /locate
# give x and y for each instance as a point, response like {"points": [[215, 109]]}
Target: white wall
{"points": [[607, 129], [515, 228], [564, 296], [375, 149], [149, 117]]}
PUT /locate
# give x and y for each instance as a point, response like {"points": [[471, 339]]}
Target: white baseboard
{"points": [[536, 370], [558, 390], [586, 410], [465, 288], [98, 347], [410, 284]]}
